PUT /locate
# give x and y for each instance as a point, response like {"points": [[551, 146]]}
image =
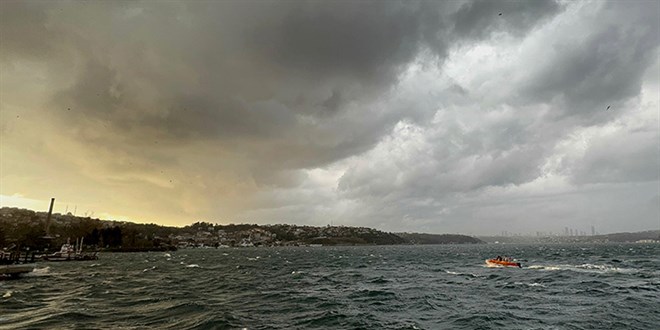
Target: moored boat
{"points": [[68, 252]]}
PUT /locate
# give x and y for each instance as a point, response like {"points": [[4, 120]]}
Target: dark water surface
{"points": [[377, 287]]}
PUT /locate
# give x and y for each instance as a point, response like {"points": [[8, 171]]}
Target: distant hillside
{"points": [[415, 238], [26, 228], [633, 237], [650, 235]]}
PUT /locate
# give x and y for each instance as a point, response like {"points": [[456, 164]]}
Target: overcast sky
{"points": [[474, 117]]}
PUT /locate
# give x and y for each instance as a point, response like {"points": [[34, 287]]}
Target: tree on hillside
{"points": [[111, 237], [32, 237], [93, 237], [2, 237]]}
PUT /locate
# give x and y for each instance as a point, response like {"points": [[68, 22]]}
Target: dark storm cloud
{"points": [[606, 66], [633, 159], [364, 40], [306, 57], [333, 102], [243, 70], [591, 61], [23, 30], [478, 19], [345, 109]]}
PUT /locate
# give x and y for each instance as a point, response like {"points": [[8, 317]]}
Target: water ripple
{"points": [[399, 287]]}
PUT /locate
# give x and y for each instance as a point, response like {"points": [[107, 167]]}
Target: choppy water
{"points": [[395, 287]]}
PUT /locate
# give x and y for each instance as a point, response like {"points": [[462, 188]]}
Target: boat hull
{"points": [[502, 263], [16, 269], [77, 257]]}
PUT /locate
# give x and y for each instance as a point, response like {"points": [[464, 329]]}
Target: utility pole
{"points": [[50, 213]]}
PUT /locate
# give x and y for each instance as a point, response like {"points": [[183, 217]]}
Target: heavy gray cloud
{"points": [[401, 115], [478, 19], [538, 137], [589, 71]]}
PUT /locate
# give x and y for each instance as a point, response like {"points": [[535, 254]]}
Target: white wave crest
{"points": [[462, 274], [529, 284], [45, 271], [148, 269]]}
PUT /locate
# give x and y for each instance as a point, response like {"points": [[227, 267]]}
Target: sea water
{"points": [[596, 286]]}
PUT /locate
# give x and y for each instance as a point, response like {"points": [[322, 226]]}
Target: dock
{"points": [[13, 264]]}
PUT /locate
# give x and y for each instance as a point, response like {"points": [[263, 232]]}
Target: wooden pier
{"points": [[13, 264]]}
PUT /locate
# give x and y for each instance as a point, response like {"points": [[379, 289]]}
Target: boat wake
{"points": [[585, 268]]}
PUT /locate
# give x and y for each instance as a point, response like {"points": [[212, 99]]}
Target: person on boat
{"points": [[499, 258]]}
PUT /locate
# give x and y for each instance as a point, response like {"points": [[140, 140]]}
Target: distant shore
{"points": [[26, 229], [649, 236]]}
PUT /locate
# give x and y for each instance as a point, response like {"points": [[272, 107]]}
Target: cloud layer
{"points": [[422, 116]]}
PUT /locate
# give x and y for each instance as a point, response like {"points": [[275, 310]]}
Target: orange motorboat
{"points": [[503, 262]]}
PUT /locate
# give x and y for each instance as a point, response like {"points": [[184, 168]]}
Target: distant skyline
{"points": [[474, 117]]}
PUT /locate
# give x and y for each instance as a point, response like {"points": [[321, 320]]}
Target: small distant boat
{"points": [[68, 252], [502, 262]]}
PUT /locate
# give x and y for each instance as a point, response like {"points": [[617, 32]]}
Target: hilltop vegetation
{"points": [[415, 238], [26, 228], [632, 237]]}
